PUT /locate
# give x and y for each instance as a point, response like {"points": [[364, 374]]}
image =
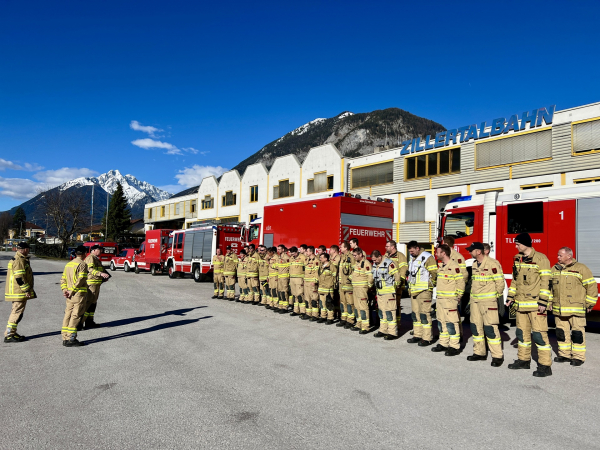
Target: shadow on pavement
{"points": [[162, 326]]}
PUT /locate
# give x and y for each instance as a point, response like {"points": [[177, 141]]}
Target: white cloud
{"points": [[135, 125], [191, 150], [60, 176], [148, 143], [19, 188], [4, 164], [192, 176]]}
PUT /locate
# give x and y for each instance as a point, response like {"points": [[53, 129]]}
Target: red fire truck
{"points": [[566, 216], [191, 250], [325, 221], [109, 250], [152, 254]]}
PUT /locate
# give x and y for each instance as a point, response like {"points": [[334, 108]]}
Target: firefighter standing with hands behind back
{"points": [[574, 292], [218, 274], [18, 289], [384, 278], [229, 270], [74, 286], [362, 281], [530, 290]]}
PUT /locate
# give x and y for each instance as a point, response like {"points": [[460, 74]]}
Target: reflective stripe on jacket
{"points": [[574, 289], [74, 277], [19, 279], [384, 276], [530, 286]]}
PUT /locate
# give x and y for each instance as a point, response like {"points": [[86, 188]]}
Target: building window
{"points": [[433, 164], [229, 219], [193, 206], [382, 173], [229, 199], [149, 213], [320, 183], [485, 191], [179, 244], [586, 136], [177, 208], [252, 217], [586, 180], [526, 187], [253, 194], [525, 218], [283, 189], [443, 200], [514, 150], [162, 211], [208, 202], [415, 209]]}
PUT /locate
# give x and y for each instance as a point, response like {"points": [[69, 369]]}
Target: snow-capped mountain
{"points": [[134, 189], [137, 192]]}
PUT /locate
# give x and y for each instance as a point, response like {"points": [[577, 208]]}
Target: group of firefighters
{"points": [[80, 284], [321, 286]]}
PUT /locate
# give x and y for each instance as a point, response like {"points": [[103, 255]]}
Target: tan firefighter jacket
{"points": [[263, 267], [487, 280], [362, 275], [530, 286], [347, 263], [74, 277], [283, 266], [327, 276], [311, 271], [422, 272], [95, 268], [462, 265], [252, 265], [574, 289], [401, 263], [230, 265], [19, 279], [273, 270], [335, 262], [218, 262], [297, 267], [450, 281]]}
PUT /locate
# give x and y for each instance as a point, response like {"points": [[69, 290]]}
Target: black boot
{"points": [[293, 314], [363, 331], [214, 296], [497, 362], [452, 351], [89, 324], [542, 371], [73, 343], [314, 319], [305, 317], [562, 359], [519, 364], [80, 325], [424, 343], [414, 340], [390, 337], [329, 322], [268, 306], [439, 348], [321, 320], [576, 362], [341, 323], [379, 334], [476, 358], [348, 325]]}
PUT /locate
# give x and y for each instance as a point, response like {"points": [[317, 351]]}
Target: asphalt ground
{"points": [[173, 368]]}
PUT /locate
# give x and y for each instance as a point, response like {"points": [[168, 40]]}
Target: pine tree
{"points": [[19, 220], [119, 216]]}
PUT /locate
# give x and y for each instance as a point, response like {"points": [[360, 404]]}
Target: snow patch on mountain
{"points": [[133, 189]]}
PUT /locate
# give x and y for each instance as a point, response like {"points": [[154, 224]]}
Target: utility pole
{"points": [[92, 215], [106, 217]]}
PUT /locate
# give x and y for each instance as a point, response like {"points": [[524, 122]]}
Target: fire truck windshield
{"points": [[253, 233], [459, 225]]}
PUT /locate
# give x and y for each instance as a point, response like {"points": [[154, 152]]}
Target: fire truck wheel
{"points": [[126, 267], [198, 275], [153, 269], [172, 273], [137, 269], [112, 266]]}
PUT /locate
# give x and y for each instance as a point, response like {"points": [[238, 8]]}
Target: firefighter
{"points": [[263, 275], [252, 262], [311, 283], [354, 245], [457, 257], [422, 274], [74, 287], [399, 258], [273, 277], [362, 281], [297, 280], [230, 264], [18, 289], [345, 286], [450, 289], [487, 285], [218, 274], [530, 291], [327, 277], [241, 277], [574, 292], [283, 279], [96, 275], [334, 260], [384, 279]]}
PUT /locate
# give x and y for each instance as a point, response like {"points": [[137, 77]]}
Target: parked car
{"points": [[125, 260]]}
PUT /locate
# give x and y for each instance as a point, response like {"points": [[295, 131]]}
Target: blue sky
{"points": [[81, 81]]}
